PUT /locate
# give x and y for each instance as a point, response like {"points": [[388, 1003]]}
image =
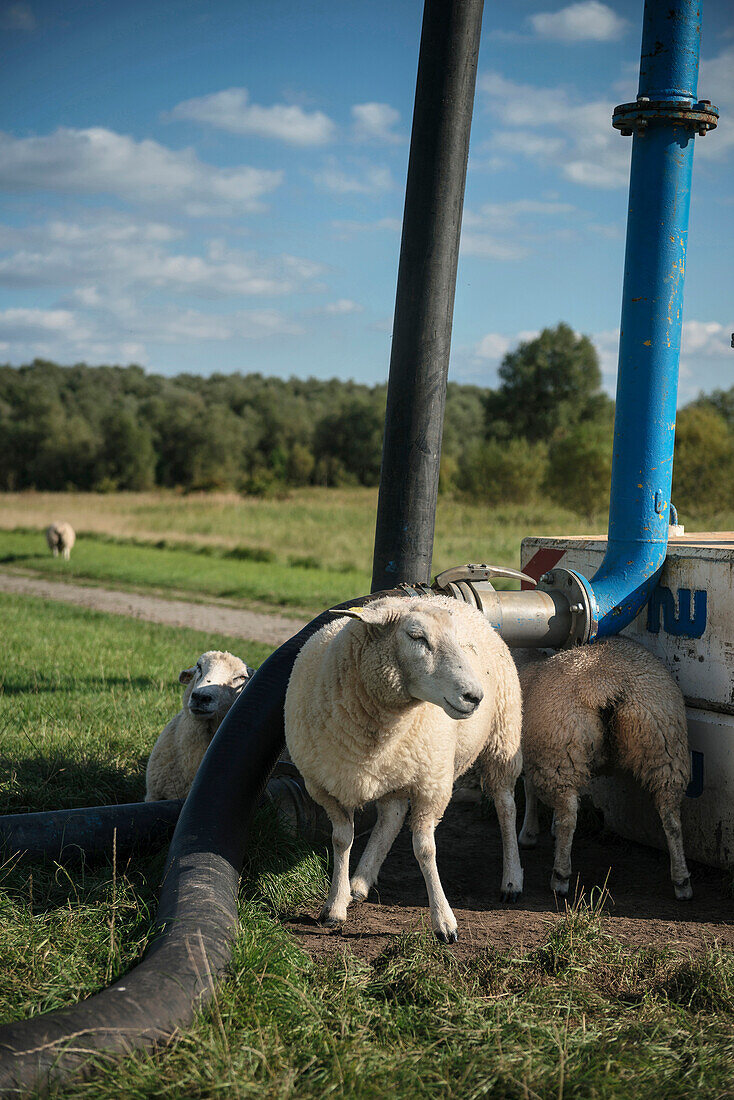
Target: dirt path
{"points": [[641, 908], [211, 618]]}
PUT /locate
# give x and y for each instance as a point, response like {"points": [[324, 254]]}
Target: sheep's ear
{"points": [[186, 675], [372, 616], [352, 612]]}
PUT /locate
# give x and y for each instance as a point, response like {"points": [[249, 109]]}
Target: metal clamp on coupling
{"points": [[523, 619], [472, 583]]}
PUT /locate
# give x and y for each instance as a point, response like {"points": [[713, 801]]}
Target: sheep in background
{"points": [[591, 709], [212, 685], [390, 702], [60, 536]]}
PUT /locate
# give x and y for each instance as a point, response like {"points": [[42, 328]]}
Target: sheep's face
{"points": [[213, 684], [427, 649]]}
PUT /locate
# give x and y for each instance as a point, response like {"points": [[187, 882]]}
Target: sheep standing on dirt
{"points": [[212, 686], [60, 536], [391, 702], [591, 709]]}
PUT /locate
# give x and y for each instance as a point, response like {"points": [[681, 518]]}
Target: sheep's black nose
{"points": [[201, 697], [472, 699]]}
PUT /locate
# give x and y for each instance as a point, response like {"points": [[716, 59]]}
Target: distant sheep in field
{"points": [[391, 702], [212, 685], [60, 537], [591, 709]]}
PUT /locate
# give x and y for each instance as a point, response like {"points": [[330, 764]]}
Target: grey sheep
{"points": [[60, 537], [591, 709]]}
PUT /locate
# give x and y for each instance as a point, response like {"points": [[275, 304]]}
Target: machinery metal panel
{"points": [[688, 621]]}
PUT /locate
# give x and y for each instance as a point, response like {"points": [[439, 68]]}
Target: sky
{"points": [[216, 186]]}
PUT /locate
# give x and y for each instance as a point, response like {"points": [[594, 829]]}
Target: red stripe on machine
{"points": [[541, 561]]}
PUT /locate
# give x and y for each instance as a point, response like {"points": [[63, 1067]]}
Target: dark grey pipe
{"points": [[197, 913], [424, 303], [89, 832]]}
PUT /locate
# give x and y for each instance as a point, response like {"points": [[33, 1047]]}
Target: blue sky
{"points": [[218, 186]]}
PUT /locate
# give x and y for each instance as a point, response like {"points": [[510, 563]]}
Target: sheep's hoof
{"points": [[328, 920], [559, 884], [527, 840], [683, 890], [448, 937], [359, 889], [510, 895]]}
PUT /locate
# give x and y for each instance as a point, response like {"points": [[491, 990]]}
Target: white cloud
{"points": [[487, 246], [495, 345], [343, 306], [17, 323], [375, 122], [232, 110], [370, 180], [492, 346], [346, 230], [704, 357], [514, 218], [18, 17], [478, 364], [552, 127], [104, 335], [707, 338], [716, 82], [588, 21], [118, 255], [99, 161], [704, 360], [505, 216]]}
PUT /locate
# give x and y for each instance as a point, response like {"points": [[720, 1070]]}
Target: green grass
{"points": [[183, 569], [305, 552], [83, 697]]}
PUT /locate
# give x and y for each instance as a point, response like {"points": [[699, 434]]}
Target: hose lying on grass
{"points": [[197, 913]]}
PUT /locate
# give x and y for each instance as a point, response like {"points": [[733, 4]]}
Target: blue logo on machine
{"points": [[679, 622]]}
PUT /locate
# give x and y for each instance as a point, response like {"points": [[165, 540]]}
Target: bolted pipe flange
{"points": [[700, 117], [571, 585]]}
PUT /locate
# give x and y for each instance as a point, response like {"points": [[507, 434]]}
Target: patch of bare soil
{"points": [[210, 618], [640, 911]]}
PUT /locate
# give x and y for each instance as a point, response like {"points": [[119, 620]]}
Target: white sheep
{"points": [[390, 702], [212, 685], [587, 711], [60, 536]]}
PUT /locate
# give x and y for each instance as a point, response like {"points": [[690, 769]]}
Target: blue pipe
{"points": [[663, 120]]}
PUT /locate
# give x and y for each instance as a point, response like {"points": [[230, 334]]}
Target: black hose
{"points": [[89, 832], [197, 913]]}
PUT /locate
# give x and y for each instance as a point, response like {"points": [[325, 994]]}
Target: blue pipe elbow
{"points": [[663, 122]]}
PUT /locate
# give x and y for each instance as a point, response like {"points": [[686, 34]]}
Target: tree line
{"points": [[544, 432]]}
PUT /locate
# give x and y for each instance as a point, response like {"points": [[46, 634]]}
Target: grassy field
{"points": [[309, 550], [83, 697], [199, 572], [334, 527], [305, 551]]}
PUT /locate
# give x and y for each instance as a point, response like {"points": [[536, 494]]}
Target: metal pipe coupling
{"points": [[539, 619]]}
